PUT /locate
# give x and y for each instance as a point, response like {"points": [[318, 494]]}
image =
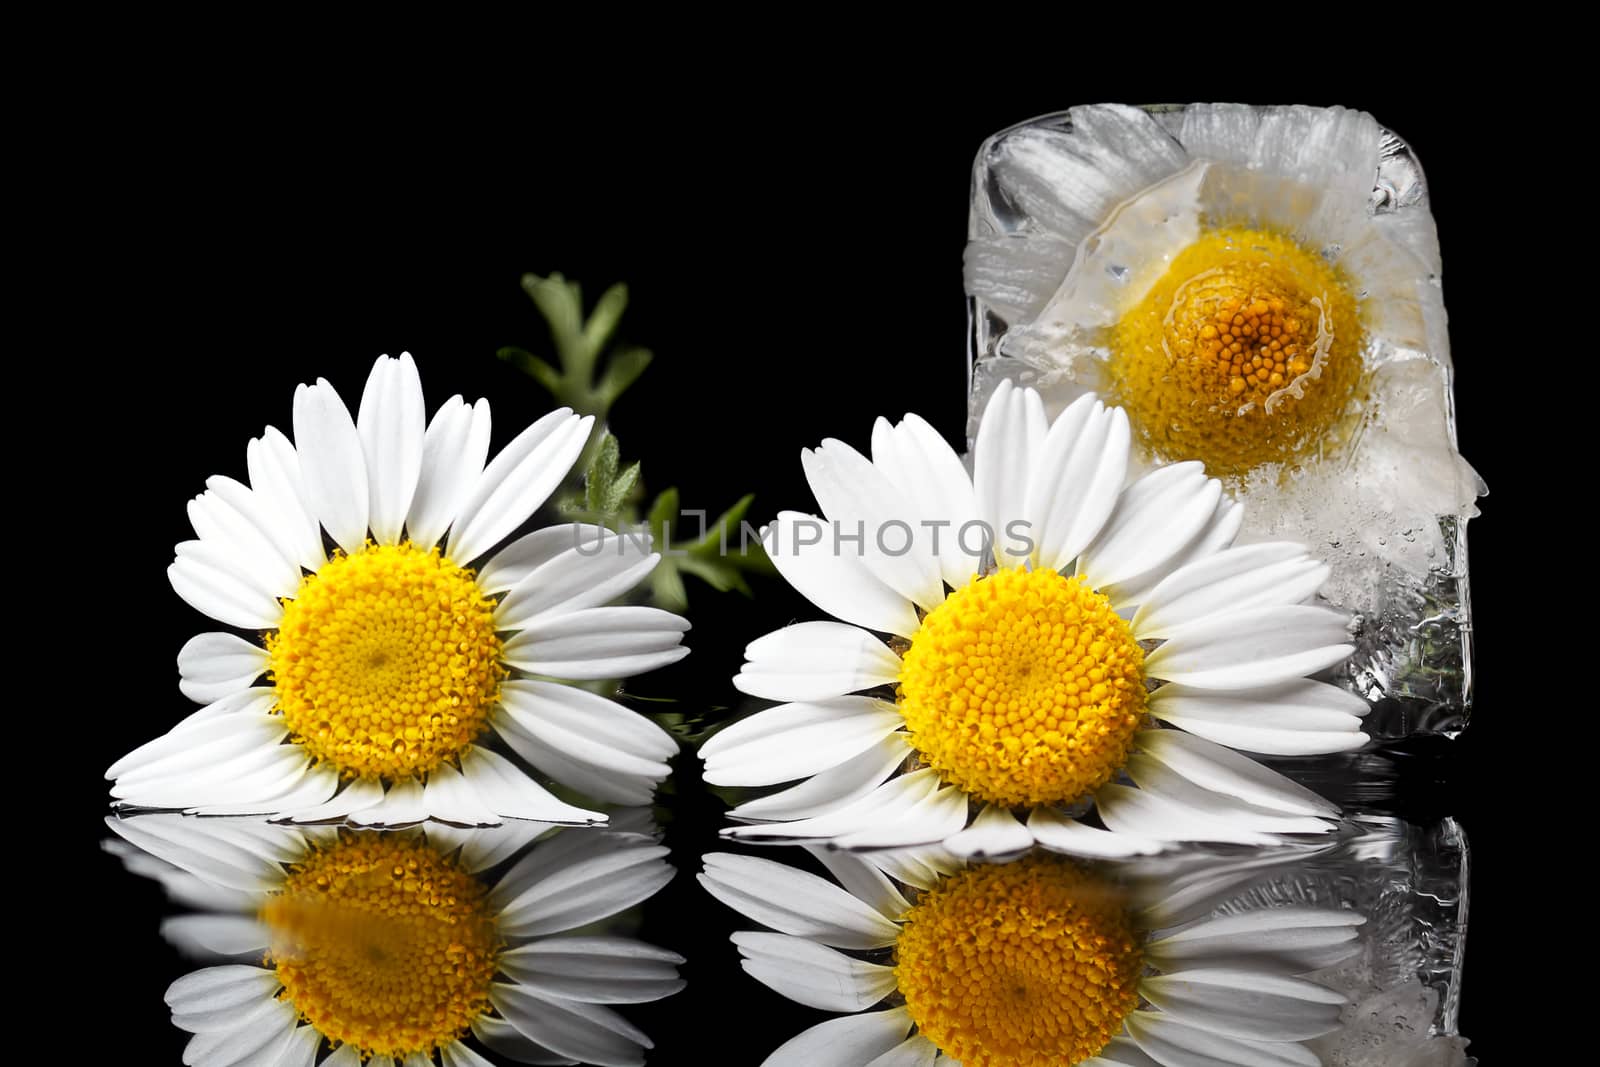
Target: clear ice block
{"points": [[1071, 209]]}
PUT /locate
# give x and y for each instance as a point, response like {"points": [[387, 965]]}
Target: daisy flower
{"points": [[997, 642], [1041, 961], [391, 661], [356, 946], [1259, 289]]}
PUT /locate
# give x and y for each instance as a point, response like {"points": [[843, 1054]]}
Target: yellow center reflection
{"points": [[383, 944], [1027, 964], [1023, 688], [1247, 351], [386, 663]]}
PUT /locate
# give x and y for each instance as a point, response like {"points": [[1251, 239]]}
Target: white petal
{"points": [[453, 451], [795, 902], [1060, 834], [509, 792], [214, 665], [215, 990], [207, 581], [402, 805], [585, 726], [1142, 813], [915, 1051], [995, 832], [1075, 483], [1245, 1003], [938, 817], [258, 1026], [1225, 771], [1155, 518], [500, 1036], [812, 974], [1294, 718], [921, 464], [1249, 576], [1010, 440], [1292, 940], [245, 711], [509, 566], [517, 481], [584, 1032], [222, 935], [833, 789], [1121, 1052], [795, 740], [607, 874], [815, 661], [1217, 534], [391, 424], [229, 516], [456, 1054], [565, 645], [1176, 1044], [600, 970], [1252, 648], [275, 478], [803, 549], [859, 499], [585, 575], [890, 805], [854, 1041], [331, 463], [863, 879], [1155, 777], [353, 799]]}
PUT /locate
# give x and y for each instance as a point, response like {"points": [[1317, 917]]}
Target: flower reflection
{"points": [[396, 947], [1182, 960]]}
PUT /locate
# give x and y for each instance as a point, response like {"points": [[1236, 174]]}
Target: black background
{"points": [[795, 265]]}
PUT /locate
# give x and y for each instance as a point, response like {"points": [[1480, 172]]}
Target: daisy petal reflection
{"points": [[392, 662], [1013, 692], [1044, 960], [415, 947]]}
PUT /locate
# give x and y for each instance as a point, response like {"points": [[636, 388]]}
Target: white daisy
{"points": [[1259, 287], [392, 947], [391, 662], [1014, 680], [1042, 961]]}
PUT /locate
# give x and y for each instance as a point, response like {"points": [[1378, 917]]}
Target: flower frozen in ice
{"points": [[360, 946], [1027, 610], [1259, 288], [1041, 961], [391, 662]]}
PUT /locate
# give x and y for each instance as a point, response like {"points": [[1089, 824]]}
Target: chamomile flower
{"points": [[1041, 961], [1259, 288], [393, 947], [376, 674], [998, 640]]}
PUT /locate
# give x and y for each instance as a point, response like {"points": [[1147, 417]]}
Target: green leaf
{"points": [[604, 318], [533, 366], [606, 483], [622, 370]]}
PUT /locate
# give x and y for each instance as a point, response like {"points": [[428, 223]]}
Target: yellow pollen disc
{"points": [[1246, 351], [386, 663], [383, 944], [1026, 964], [1023, 688]]}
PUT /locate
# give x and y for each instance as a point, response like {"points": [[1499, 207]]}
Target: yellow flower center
{"points": [[1026, 964], [1246, 351], [384, 944], [1023, 688], [386, 663]]}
